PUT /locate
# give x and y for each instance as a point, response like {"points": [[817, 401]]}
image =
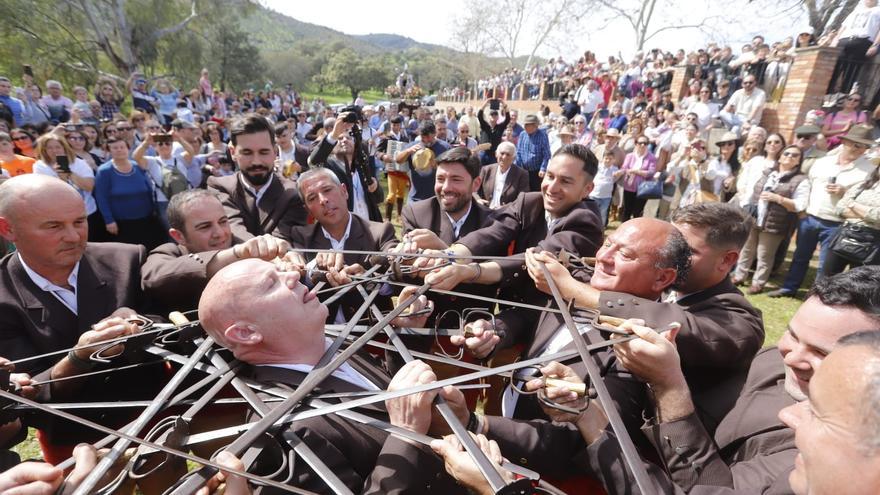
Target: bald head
{"points": [[217, 310], [20, 194]]}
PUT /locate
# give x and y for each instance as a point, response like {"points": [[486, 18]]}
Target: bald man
{"points": [[276, 325], [58, 291]]}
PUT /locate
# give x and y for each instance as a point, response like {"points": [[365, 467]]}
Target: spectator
{"points": [[464, 136], [754, 164], [806, 138], [638, 166], [566, 137], [24, 142], [59, 106], [777, 199], [830, 178], [859, 206], [618, 119], [91, 132], [705, 109], [704, 178], [13, 164], [838, 123], [533, 151], [78, 143], [126, 199], [109, 97], [590, 99], [745, 106], [81, 110], [51, 149], [603, 185], [492, 130], [634, 129], [13, 104], [858, 39], [205, 88], [514, 126], [166, 95], [166, 171]]}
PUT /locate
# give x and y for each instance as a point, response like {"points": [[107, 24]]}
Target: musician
{"points": [[362, 188], [257, 200], [420, 155], [58, 291], [276, 325], [175, 273], [337, 229], [398, 181], [559, 217], [501, 181]]}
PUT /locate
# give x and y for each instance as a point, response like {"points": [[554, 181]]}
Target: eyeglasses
{"points": [[21, 138], [109, 131], [791, 154], [577, 122], [855, 145], [75, 138], [138, 120], [123, 128], [642, 143]]}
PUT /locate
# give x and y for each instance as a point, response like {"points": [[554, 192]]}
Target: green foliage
{"points": [[353, 71]]}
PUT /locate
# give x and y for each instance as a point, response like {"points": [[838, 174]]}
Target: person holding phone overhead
{"points": [[492, 130], [57, 159]]}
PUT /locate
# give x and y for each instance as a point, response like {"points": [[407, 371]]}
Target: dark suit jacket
{"points": [[721, 332], [279, 208], [174, 278], [363, 236], [34, 322], [523, 223], [322, 157], [366, 459], [517, 181]]}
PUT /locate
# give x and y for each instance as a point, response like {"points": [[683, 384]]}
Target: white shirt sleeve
{"points": [[801, 196]]}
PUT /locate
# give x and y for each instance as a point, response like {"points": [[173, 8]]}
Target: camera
{"points": [[162, 138], [354, 114], [63, 163]]}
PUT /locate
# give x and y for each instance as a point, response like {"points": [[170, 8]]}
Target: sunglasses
{"points": [[791, 154], [21, 138], [642, 143], [75, 138], [123, 128]]}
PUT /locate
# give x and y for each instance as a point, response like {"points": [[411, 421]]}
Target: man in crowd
{"points": [[257, 200], [398, 180], [858, 39], [336, 229], [558, 217], [470, 118], [492, 130], [276, 326], [13, 104], [464, 136], [515, 128], [612, 139], [423, 180], [59, 291], [745, 106], [533, 152], [805, 139], [501, 182], [175, 274], [589, 98], [830, 177]]}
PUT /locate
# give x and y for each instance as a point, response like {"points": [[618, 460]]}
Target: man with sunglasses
{"points": [[805, 139], [745, 106], [830, 178]]}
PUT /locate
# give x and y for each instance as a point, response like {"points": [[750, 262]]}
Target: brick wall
{"points": [[805, 88]]}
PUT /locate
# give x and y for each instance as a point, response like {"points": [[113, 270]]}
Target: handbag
{"points": [[650, 189], [857, 243]]}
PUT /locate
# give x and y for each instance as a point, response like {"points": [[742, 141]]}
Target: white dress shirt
{"points": [[500, 179], [67, 297]]}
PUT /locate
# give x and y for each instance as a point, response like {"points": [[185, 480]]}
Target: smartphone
{"points": [[494, 104], [63, 163], [28, 70], [832, 180]]}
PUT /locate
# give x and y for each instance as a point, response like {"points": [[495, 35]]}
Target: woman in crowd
{"points": [[566, 136], [860, 206], [728, 157], [81, 104], [126, 199], [778, 197], [705, 110], [52, 150], [704, 178], [754, 167], [638, 165], [634, 130], [167, 96], [79, 145], [213, 137], [23, 142], [34, 111], [166, 171], [138, 121], [603, 185], [838, 123], [93, 135]]}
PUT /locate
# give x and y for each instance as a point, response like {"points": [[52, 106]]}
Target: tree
{"points": [[639, 14], [356, 73], [238, 59], [828, 15], [512, 28]]}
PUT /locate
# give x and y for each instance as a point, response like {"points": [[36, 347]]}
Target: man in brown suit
{"points": [[257, 200], [57, 291], [276, 326], [504, 176], [175, 273], [753, 450], [559, 217], [337, 229]]}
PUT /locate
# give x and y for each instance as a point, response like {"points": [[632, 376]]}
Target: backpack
{"points": [[173, 181]]}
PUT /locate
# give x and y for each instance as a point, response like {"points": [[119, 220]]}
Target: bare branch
{"points": [[177, 27]]}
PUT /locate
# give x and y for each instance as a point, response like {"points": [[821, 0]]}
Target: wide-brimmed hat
{"points": [[566, 131], [531, 119], [612, 132], [728, 137], [859, 134]]}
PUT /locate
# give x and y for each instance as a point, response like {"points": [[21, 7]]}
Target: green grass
{"points": [[343, 96]]}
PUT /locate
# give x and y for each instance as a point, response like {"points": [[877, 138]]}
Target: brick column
{"points": [[681, 74], [805, 87]]}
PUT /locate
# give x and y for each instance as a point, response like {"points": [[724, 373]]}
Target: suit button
{"points": [[609, 304], [635, 302], [515, 275], [523, 461], [620, 302]]}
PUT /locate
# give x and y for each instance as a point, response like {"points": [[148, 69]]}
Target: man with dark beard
{"points": [[256, 199]]}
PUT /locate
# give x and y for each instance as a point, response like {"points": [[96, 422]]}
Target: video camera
{"points": [[354, 114]]}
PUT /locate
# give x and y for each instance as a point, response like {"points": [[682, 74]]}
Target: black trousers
{"points": [[534, 181], [849, 64], [633, 206]]}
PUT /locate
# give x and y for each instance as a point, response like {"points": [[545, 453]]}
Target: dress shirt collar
{"points": [[456, 225], [63, 294], [340, 244], [255, 192]]}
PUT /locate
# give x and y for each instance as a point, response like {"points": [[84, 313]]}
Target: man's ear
{"points": [[177, 236], [478, 181], [243, 334], [344, 191], [665, 278], [728, 261], [6, 229]]}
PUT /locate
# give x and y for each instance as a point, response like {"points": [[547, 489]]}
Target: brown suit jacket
{"points": [[363, 236], [280, 207], [34, 322], [517, 181], [366, 459], [174, 278], [523, 223], [721, 332]]}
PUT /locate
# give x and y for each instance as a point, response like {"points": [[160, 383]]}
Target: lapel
{"points": [[474, 220], [441, 223], [357, 239], [92, 295], [32, 298], [546, 330], [508, 182], [249, 212], [269, 201], [489, 185]]}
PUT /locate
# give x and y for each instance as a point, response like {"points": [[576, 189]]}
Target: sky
{"points": [[735, 26]]}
